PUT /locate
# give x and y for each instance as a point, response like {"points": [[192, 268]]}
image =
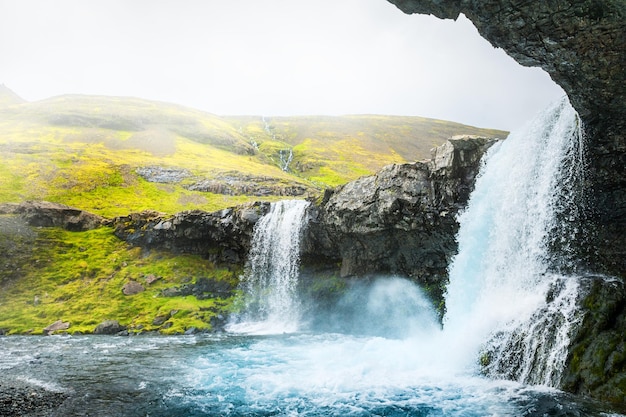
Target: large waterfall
{"points": [[505, 294], [269, 285]]}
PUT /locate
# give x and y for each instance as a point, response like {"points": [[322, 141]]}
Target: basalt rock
{"points": [[109, 327], [596, 364], [223, 236], [401, 220]]}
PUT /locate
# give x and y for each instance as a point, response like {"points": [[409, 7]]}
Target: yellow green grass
{"points": [[84, 151], [79, 276]]}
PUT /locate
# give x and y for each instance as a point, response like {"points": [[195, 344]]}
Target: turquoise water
{"points": [[302, 374]]}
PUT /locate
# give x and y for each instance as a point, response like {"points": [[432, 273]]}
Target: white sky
{"points": [[267, 57]]}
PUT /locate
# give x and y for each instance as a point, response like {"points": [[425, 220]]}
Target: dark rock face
{"points": [[597, 359], [582, 45], [47, 214], [222, 236], [401, 220]]}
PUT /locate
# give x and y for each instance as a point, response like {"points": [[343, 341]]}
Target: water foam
{"points": [[502, 274]]}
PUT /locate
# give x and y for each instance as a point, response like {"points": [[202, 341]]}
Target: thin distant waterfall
{"points": [[505, 295], [269, 284]]}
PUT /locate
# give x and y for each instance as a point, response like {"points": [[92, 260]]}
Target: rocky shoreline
{"points": [[23, 399]]}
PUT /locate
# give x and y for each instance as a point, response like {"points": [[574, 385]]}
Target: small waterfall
{"points": [[269, 284], [286, 156], [504, 283]]}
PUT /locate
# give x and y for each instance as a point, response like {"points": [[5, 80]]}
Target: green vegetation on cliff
{"points": [[79, 277]]}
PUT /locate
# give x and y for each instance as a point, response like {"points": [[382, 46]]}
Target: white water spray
{"points": [[270, 281], [505, 303], [502, 276]]}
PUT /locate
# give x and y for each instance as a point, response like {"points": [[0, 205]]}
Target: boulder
{"points": [[58, 325], [109, 327], [132, 288]]}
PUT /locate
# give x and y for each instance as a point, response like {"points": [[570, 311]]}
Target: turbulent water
{"points": [[518, 215], [380, 351]]}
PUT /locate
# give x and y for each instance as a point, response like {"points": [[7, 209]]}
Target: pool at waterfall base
{"points": [[299, 374]]}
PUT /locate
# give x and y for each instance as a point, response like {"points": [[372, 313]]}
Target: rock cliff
{"points": [[400, 221]]}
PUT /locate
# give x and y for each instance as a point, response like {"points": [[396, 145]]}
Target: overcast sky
{"points": [[267, 57]]}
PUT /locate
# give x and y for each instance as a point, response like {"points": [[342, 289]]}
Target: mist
{"points": [[384, 306], [268, 58]]}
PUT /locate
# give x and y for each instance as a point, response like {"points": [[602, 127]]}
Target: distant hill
{"points": [[8, 97], [114, 155]]}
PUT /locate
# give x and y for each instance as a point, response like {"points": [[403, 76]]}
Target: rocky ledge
{"points": [[47, 214], [223, 236]]}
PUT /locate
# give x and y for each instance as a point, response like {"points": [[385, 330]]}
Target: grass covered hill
{"points": [[114, 155]]}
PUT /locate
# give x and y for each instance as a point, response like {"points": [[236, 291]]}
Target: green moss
{"points": [[79, 276]]}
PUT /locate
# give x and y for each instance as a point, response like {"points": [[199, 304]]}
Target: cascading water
{"points": [[270, 281], [504, 271]]}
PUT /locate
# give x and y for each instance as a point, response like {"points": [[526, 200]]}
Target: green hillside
{"points": [[114, 155]]}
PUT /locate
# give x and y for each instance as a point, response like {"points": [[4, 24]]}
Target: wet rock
{"points": [[596, 364]]}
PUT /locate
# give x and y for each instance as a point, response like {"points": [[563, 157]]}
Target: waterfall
{"points": [[269, 283], [286, 156], [506, 296]]}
